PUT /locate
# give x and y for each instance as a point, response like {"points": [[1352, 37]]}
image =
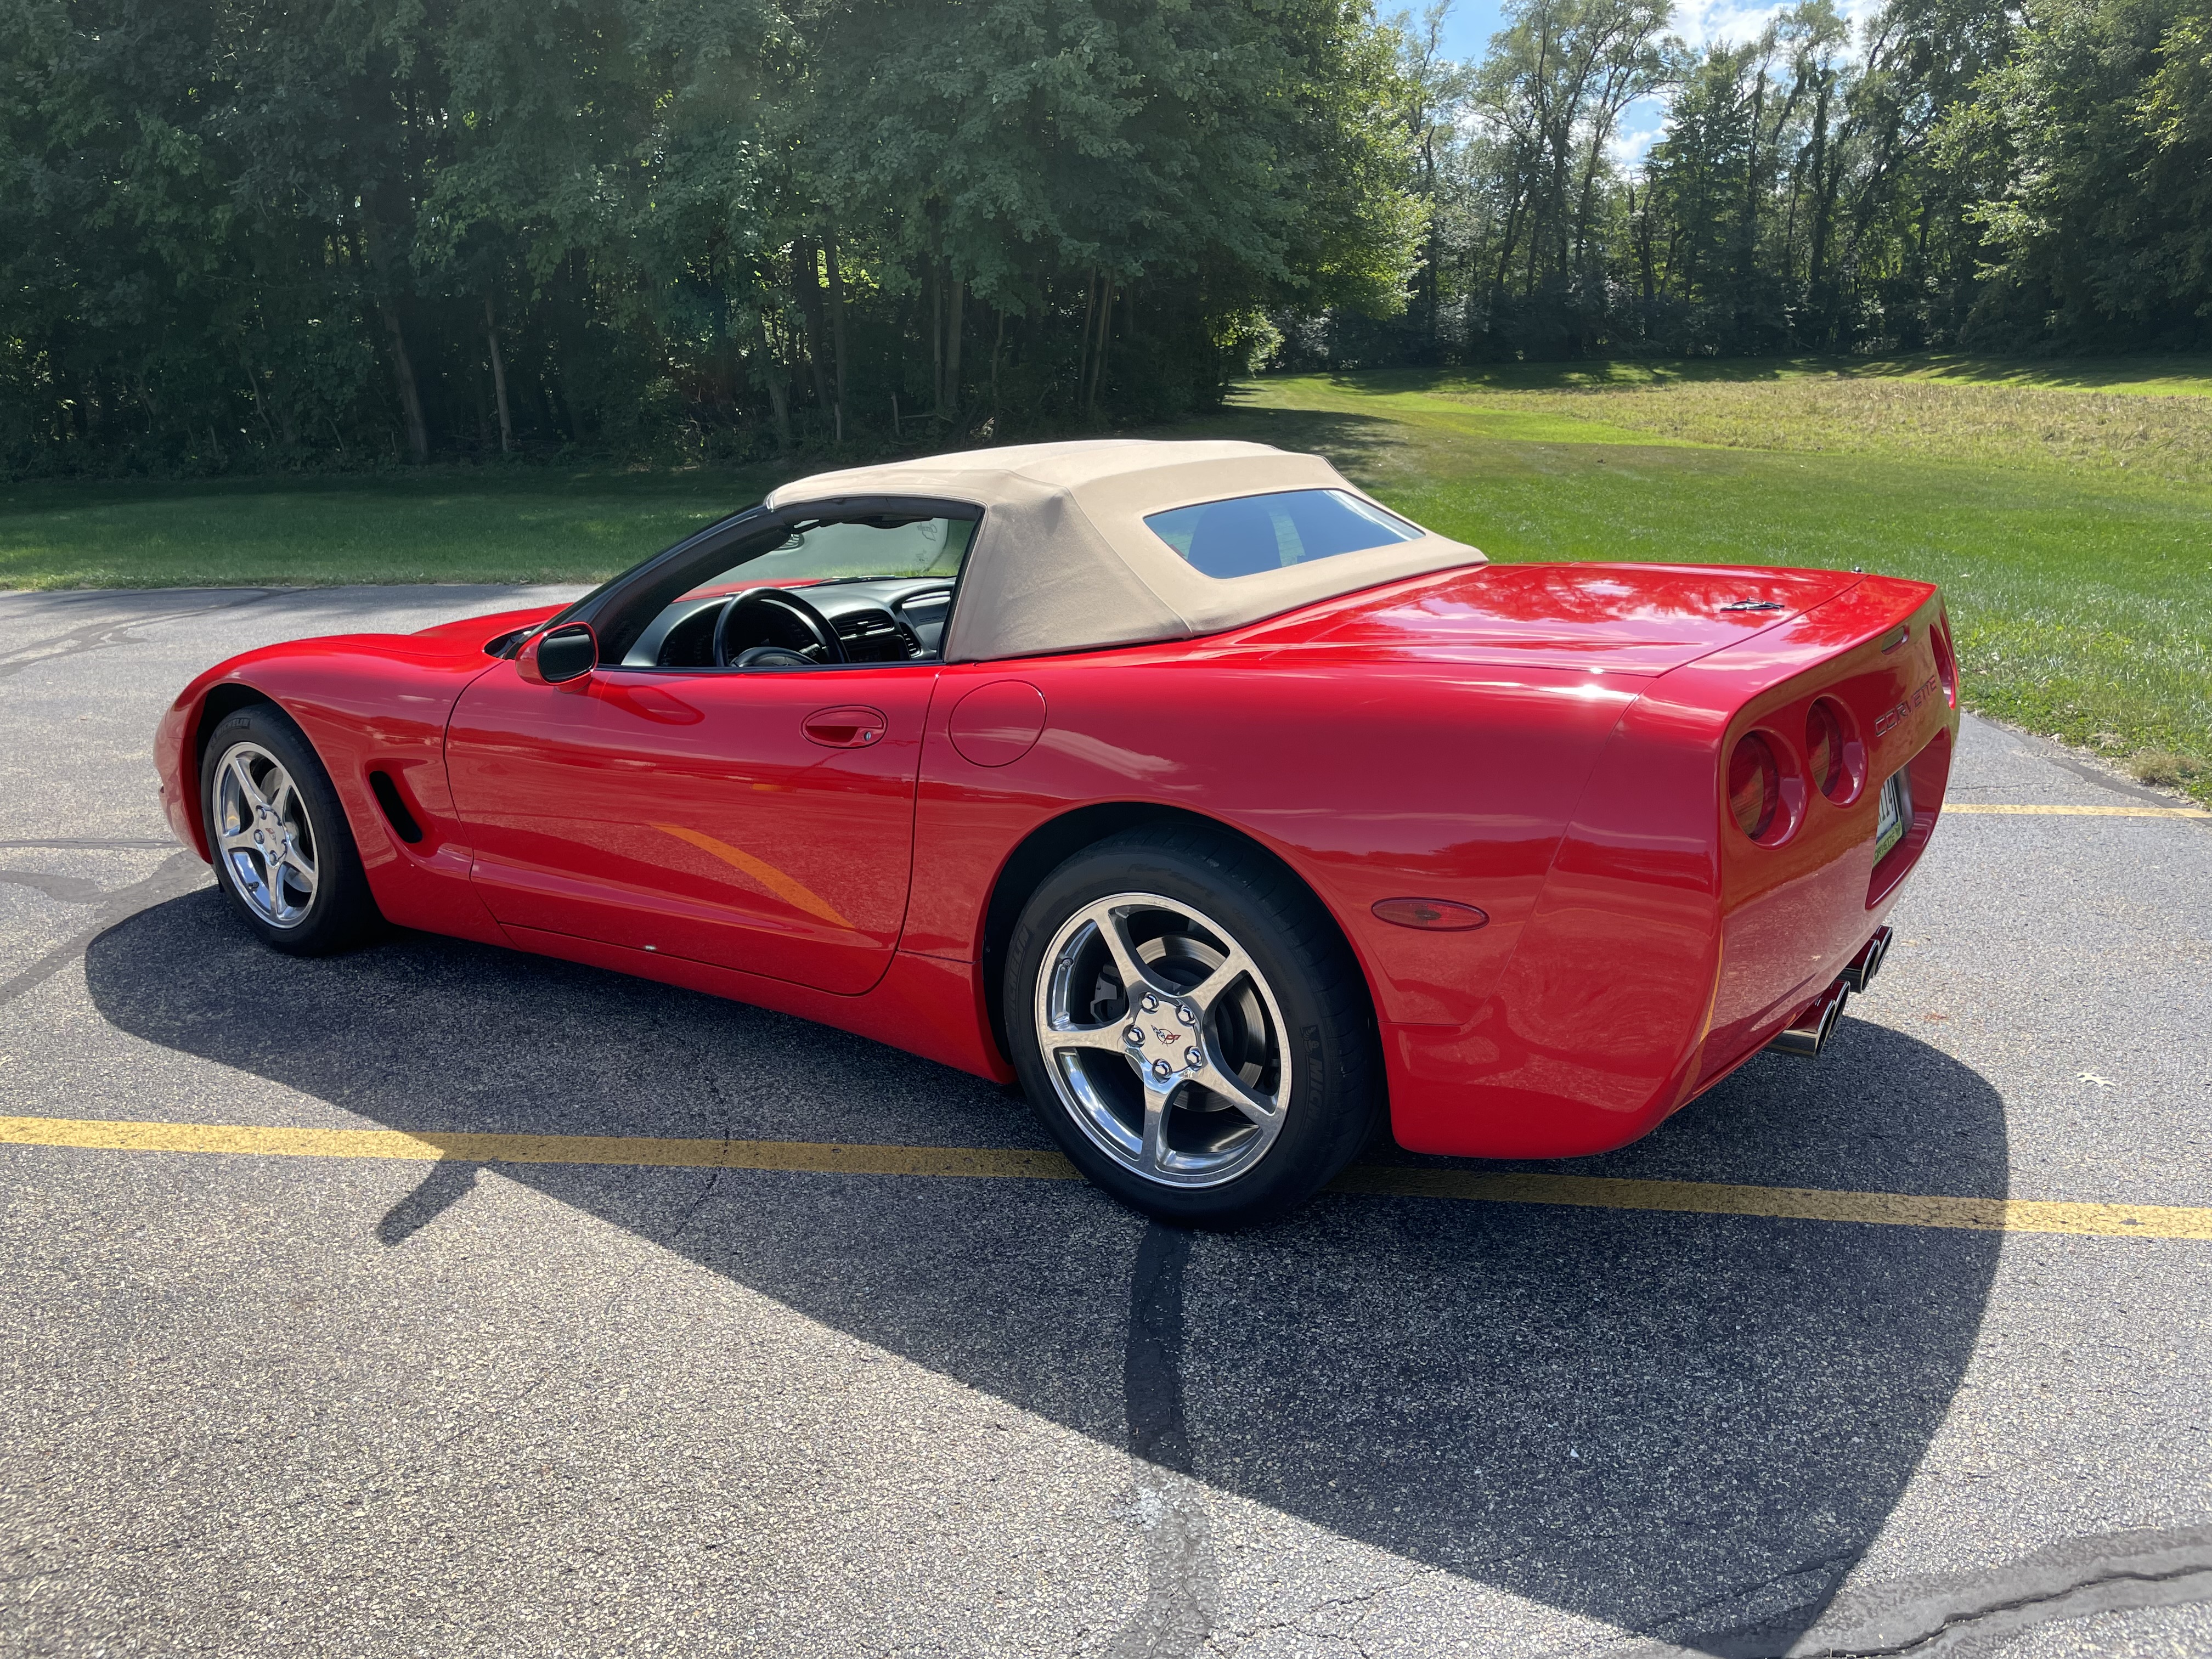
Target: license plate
{"points": [[1896, 813]]}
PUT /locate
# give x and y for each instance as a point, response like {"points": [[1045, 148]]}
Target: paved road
{"points": [[300, 1405]]}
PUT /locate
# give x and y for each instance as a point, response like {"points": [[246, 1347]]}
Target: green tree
{"points": [[2098, 132]]}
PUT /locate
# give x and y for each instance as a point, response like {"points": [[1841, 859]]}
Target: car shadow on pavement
{"points": [[1646, 1418]]}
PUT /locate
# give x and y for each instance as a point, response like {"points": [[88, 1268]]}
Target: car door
{"points": [[758, 820]]}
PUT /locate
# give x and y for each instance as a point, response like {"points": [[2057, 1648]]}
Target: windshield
{"points": [[1249, 534], [847, 552]]}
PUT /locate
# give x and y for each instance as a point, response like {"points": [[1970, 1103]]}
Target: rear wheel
{"points": [[1191, 1028], [284, 855]]}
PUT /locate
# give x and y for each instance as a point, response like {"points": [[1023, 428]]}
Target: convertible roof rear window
{"points": [[1248, 534]]}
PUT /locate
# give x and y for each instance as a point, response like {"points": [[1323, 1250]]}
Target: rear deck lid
{"points": [[1623, 618]]}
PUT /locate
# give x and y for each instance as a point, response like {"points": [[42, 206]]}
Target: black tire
{"points": [[1331, 1105], [341, 912]]}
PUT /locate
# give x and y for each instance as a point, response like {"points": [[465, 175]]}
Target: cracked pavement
{"points": [[261, 1406]]}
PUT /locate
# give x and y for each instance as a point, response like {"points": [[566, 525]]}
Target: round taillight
{"points": [[1824, 750], [1754, 785]]}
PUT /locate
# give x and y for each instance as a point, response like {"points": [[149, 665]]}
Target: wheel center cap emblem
{"points": [[1164, 1051]]}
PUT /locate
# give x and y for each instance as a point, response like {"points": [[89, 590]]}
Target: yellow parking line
{"points": [[430, 1144], [1987, 1215], [1000, 1163], [1950, 807]]}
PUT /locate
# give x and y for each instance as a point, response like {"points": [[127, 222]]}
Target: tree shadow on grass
{"points": [[1654, 1420], [1352, 442]]}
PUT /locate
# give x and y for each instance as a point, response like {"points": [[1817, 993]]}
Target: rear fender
{"points": [[1587, 1037], [1396, 783]]}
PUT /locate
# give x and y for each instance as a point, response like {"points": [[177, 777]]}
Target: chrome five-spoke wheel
{"points": [[264, 835], [1191, 1026], [1164, 1040]]}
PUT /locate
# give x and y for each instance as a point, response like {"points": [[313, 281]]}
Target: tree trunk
{"points": [[955, 309], [1082, 347], [403, 373], [1105, 338], [1823, 205], [1747, 280], [1433, 255], [806, 291], [498, 378], [1643, 233], [88, 403], [1505, 250], [998, 345], [253, 384], [836, 320], [902, 320], [779, 399]]}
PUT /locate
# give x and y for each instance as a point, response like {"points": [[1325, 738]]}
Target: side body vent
{"points": [[395, 807]]}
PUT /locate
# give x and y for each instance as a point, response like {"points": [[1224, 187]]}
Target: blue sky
{"points": [[1468, 29], [1470, 23]]}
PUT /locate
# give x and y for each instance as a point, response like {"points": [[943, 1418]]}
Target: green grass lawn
{"points": [[2066, 508], [441, 525]]}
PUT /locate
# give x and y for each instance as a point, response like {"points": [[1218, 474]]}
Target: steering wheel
{"points": [[827, 646]]}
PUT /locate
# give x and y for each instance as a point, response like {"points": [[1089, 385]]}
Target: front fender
{"points": [[368, 704], [276, 673]]}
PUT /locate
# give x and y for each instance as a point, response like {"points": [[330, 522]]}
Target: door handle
{"points": [[848, 728]]}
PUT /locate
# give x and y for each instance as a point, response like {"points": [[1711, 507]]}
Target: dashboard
{"points": [[878, 620]]}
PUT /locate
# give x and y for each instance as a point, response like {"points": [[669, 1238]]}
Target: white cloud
{"points": [[1642, 125]]}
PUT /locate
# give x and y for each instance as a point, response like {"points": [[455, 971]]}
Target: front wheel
{"points": [[1191, 1027], [283, 853]]}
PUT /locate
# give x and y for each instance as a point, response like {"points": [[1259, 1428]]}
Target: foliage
{"points": [[1948, 173], [2103, 231], [349, 234], [350, 230]]}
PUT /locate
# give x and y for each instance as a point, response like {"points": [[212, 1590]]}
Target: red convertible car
{"points": [[1219, 805]]}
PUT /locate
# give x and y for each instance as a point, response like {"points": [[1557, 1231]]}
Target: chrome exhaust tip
{"points": [[1809, 1032], [1865, 965]]}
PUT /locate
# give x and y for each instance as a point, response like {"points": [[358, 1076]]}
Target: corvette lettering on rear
{"points": [[1884, 722]]}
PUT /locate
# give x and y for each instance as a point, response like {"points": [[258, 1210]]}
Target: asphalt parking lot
{"points": [[255, 1404]]}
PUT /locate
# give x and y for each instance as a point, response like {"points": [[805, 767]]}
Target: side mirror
{"points": [[566, 653]]}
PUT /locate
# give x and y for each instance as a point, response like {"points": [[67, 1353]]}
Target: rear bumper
{"points": [[1434, 1108], [1439, 1102]]}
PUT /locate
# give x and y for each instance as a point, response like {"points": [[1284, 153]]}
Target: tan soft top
{"points": [[1063, 560]]}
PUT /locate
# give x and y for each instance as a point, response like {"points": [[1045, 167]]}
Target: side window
{"points": [[834, 592]]}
